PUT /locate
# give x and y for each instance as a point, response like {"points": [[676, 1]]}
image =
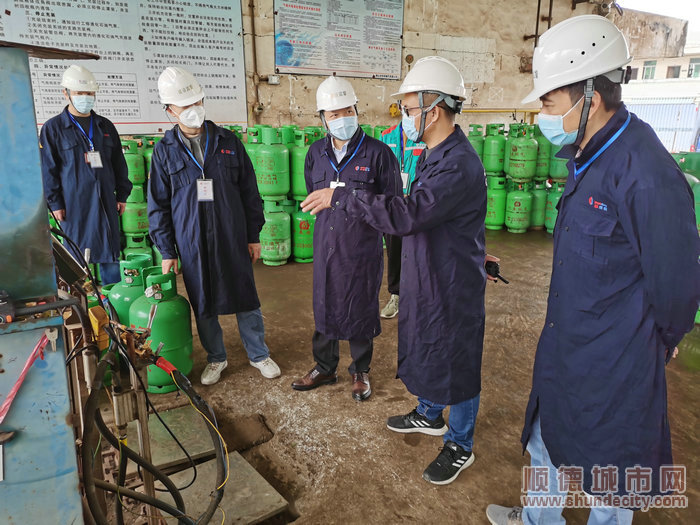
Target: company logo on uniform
{"points": [[228, 152], [362, 168], [597, 205]]}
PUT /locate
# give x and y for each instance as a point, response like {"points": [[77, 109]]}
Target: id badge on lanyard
{"points": [[205, 189], [93, 158]]}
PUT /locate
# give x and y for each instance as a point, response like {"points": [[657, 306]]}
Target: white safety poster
{"points": [[136, 40], [355, 38]]}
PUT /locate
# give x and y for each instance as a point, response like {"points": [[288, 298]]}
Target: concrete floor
{"points": [[334, 459]]}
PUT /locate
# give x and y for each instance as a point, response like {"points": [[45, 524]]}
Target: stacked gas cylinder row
{"points": [[134, 220], [278, 156], [518, 167]]}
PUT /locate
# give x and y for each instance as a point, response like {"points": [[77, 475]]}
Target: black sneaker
{"points": [[451, 460], [414, 422]]}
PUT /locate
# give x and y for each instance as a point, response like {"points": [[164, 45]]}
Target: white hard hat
{"points": [[576, 49], [434, 74], [335, 93], [78, 78], [178, 86]]}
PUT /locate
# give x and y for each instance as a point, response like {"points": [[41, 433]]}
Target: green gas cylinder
{"points": [[303, 236], [367, 129], [297, 158], [513, 132], [557, 166], [518, 209], [696, 195], [135, 218], [287, 133], [551, 212], [378, 130], [289, 206], [137, 194], [544, 153], [510, 185], [523, 155], [123, 294], [171, 326], [252, 144], [495, 202], [494, 148], [276, 235], [476, 139], [272, 170], [539, 206], [691, 163], [134, 161], [137, 244]]}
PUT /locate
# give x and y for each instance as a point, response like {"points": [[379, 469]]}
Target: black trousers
{"points": [[393, 266], [327, 354]]}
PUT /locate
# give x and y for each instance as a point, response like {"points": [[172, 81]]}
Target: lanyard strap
{"points": [[88, 137], [339, 169], [204, 154], [578, 171], [401, 146]]}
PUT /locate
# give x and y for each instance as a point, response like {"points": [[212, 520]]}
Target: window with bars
{"points": [[649, 69]]}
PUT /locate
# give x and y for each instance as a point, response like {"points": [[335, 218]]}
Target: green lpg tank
{"points": [[303, 236], [476, 139], [557, 166], [137, 244], [691, 163], [513, 133], [523, 155], [539, 206], [171, 326], [544, 153], [276, 235], [123, 294], [287, 133], [148, 148], [134, 161], [252, 144], [272, 172], [518, 209], [135, 218], [494, 148], [138, 194], [367, 129], [495, 202], [551, 212], [297, 158]]}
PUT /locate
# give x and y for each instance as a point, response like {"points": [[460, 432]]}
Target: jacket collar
{"points": [[67, 122], [597, 140], [352, 145], [439, 151]]}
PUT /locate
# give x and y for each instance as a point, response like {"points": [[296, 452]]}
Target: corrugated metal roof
{"points": [[675, 120]]}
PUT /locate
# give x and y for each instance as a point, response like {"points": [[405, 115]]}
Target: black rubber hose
{"points": [[91, 408], [41, 308], [136, 458], [139, 496], [184, 384]]}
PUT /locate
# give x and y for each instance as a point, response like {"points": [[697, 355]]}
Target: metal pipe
{"points": [[549, 18], [537, 23]]}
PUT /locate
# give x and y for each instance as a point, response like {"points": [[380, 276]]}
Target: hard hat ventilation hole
{"points": [[593, 44], [583, 52], [572, 61]]}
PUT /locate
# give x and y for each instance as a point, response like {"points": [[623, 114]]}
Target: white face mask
{"points": [[343, 128], [192, 117], [83, 103]]}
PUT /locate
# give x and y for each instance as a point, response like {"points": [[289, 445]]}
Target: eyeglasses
{"points": [[407, 111]]}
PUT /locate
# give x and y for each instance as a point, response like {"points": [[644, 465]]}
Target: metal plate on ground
{"points": [[248, 498], [190, 429]]}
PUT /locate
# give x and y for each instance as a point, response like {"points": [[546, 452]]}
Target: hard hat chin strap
{"points": [[588, 97]]}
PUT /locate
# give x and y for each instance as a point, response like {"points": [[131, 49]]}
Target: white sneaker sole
{"points": [[429, 431], [213, 380], [275, 374], [467, 464]]}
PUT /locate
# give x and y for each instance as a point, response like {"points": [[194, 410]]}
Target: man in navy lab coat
{"points": [[348, 256], [85, 175], [441, 219], [204, 205], [624, 289]]}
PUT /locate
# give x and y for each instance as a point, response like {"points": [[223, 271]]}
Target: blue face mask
{"points": [[83, 103], [343, 128], [409, 128], [552, 127]]}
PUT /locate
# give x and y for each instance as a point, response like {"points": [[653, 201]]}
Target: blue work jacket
{"points": [[211, 237], [441, 306], [625, 287], [348, 254], [89, 195]]}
